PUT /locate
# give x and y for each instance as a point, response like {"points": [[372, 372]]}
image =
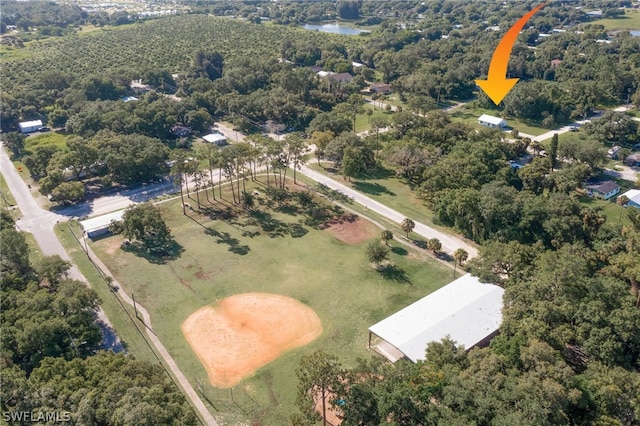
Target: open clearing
{"points": [[351, 229], [269, 250], [241, 333]]}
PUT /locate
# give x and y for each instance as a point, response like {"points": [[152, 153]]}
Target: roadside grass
{"points": [[121, 316], [260, 254], [35, 254], [384, 187], [7, 197], [50, 138], [630, 21]]}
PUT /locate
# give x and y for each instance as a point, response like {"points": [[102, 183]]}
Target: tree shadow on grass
{"points": [[393, 273], [226, 238], [297, 231], [399, 251], [156, 255], [372, 188], [272, 226]]}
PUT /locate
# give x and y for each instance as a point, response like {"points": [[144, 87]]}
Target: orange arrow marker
{"points": [[497, 85]]}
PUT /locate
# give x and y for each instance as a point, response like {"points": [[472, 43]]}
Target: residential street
{"points": [[449, 242]]}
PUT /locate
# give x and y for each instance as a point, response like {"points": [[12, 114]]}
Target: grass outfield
{"points": [[223, 258]]}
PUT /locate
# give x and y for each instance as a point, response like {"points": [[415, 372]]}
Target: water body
{"points": [[332, 28]]}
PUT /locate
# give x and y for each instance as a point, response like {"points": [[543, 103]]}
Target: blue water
{"points": [[332, 28]]}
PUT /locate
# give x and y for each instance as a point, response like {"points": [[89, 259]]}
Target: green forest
{"points": [[568, 351]]}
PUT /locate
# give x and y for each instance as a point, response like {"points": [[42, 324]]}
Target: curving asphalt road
{"points": [[40, 223]]}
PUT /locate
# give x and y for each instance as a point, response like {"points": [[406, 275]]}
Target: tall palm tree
{"points": [[407, 225], [460, 256]]}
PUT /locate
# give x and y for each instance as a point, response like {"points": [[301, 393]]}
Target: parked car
{"points": [[574, 129], [44, 129]]}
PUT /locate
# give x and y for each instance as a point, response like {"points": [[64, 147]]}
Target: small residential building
{"points": [[613, 152], [315, 68], [216, 138], [383, 88], [632, 160], [491, 121], [465, 310], [30, 126], [180, 131], [633, 195], [99, 225], [343, 77], [604, 190], [126, 99]]}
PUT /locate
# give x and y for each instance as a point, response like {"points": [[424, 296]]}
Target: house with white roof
{"points": [[30, 126], [465, 310], [491, 121]]}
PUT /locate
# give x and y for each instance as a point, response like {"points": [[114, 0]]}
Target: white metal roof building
{"points": [[216, 138], [491, 121], [30, 126], [466, 310], [634, 197], [99, 225]]}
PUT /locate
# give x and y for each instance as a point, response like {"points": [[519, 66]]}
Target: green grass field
{"points": [[469, 115], [630, 21], [260, 254], [362, 120], [49, 138]]}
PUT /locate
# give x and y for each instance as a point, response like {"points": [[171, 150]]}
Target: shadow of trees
{"points": [[399, 251], [225, 238], [393, 273], [372, 188], [158, 255]]}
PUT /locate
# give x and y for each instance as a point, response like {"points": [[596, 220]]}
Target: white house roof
{"points": [[31, 123], [490, 119], [633, 195], [101, 222], [214, 137], [465, 310]]}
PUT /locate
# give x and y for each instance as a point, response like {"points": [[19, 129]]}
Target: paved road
{"points": [[449, 242], [40, 223]]}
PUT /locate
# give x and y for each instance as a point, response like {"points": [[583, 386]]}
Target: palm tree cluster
{"points": [[236, 163]]}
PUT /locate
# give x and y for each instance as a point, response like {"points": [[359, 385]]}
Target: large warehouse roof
{"points": [[101, 222], [465, 310]]}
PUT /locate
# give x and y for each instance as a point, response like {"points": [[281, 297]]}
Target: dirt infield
{"points": [[241, 333], [351, 229]]}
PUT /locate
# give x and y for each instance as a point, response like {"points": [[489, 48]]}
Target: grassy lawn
{"points": [[261, 254], [49, 138], [119, 314], [469, 115], [609, 207], [386, 188], [362, 120], [630, 21]]}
